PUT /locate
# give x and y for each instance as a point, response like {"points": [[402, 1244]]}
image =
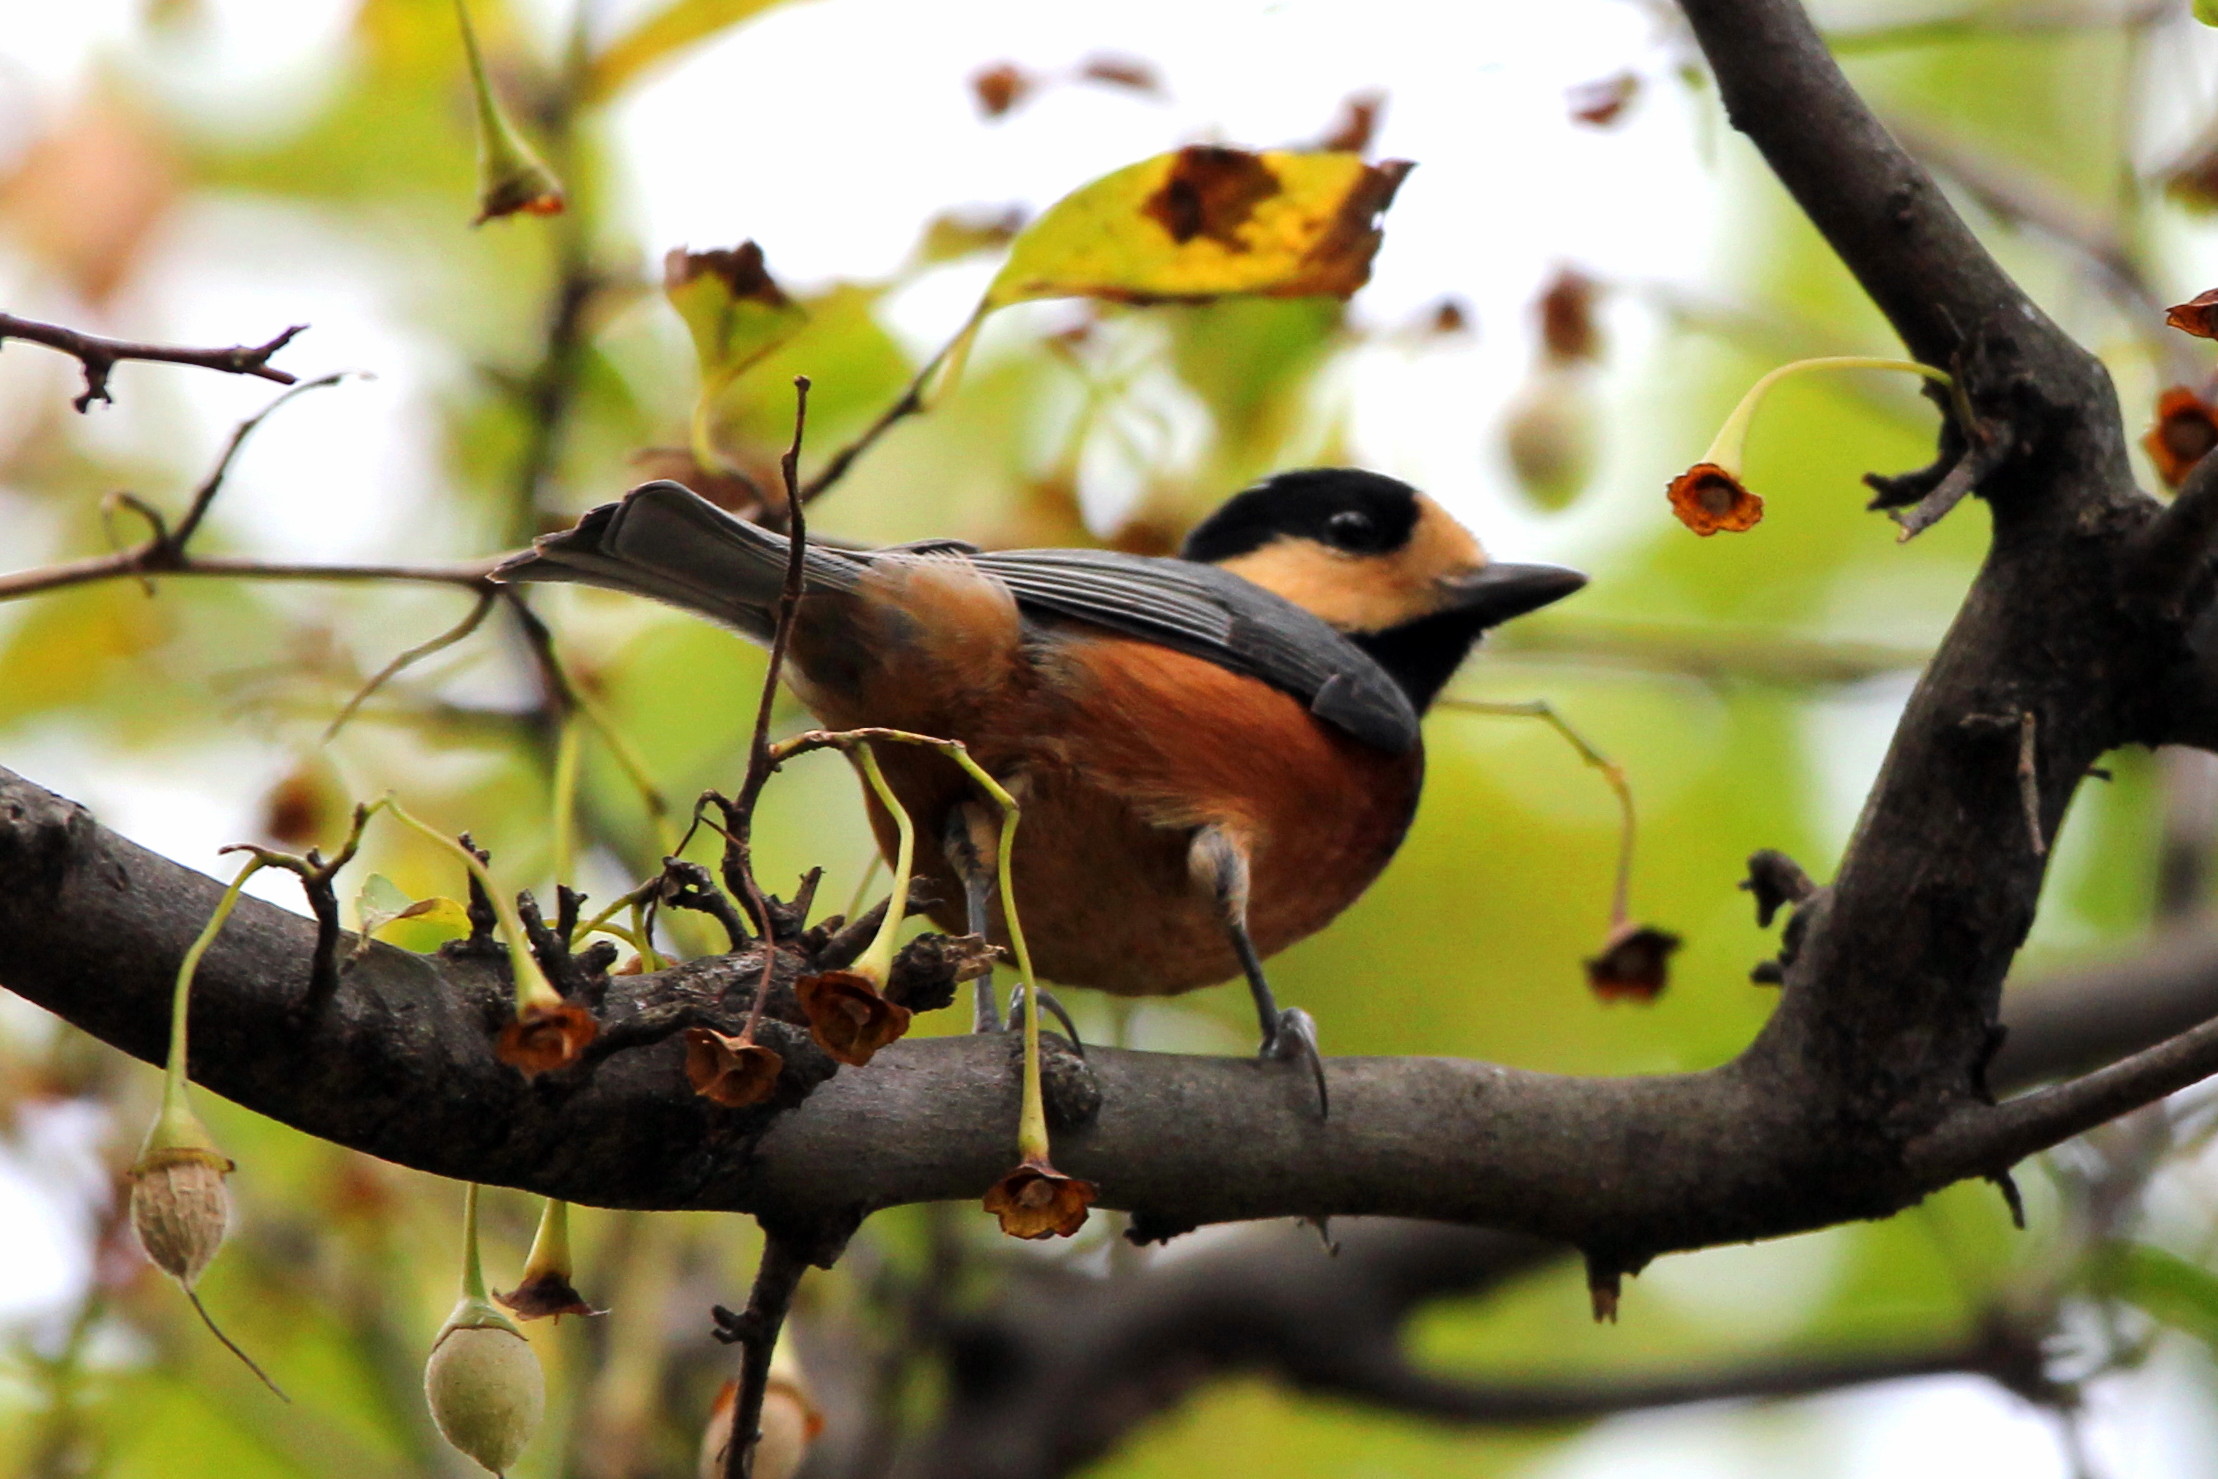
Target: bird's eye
{"points": [[1351, 529]]}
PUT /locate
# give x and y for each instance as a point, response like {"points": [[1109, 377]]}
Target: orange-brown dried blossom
{"points": [[543, 1038], [1634, 964], [848, 1016], [2186, 429], [1568, 332], [1000, 87], [1037, 1201], [1707, 498], [2197, 316], [730, 1071], [544, 1296]]}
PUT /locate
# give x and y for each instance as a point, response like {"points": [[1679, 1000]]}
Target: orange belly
{"points": [[1119, 751]]}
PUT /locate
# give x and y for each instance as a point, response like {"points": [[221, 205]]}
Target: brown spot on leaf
{"points": [[1568, 333], [740, 267], [1341, 261], [1000, 87], [1037, 1201], [730, 1071], [2197, 316], [1603, 101], [545, 1296], [1634, 964], [543, 1038], [1707, 498], [848, 1017], [1357, 125], [2186, 429], [1212, 191]]}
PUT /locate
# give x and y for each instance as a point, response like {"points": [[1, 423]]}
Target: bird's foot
{"points": [[1054, 1009], [1293, 1039]]}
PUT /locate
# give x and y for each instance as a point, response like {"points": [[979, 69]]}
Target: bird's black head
{"points": [[1340, 508], [1378, 560]]}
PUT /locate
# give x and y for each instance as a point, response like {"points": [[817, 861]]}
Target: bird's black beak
{"points": [[1496, 592]]}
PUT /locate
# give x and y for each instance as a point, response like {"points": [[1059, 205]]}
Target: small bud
{"points": [[511, 177], [1037, 1201], [1549, 434], [484, 1385], [1568, 332]]}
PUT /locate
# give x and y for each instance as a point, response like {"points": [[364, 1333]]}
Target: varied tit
{"points": [[1214, 754]]}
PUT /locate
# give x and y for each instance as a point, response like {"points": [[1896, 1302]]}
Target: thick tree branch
{"points": [[1882, 214], [1061, 1368], [100, 356]]}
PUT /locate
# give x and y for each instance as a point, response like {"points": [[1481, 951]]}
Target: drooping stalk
{"points": [[1729, 445]]}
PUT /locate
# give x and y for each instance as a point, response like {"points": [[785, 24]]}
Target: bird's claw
{"points": [[1054, 1009], [1293, 1039]]}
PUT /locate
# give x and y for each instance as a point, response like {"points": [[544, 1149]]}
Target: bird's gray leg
{"points": [[1220, 863], [960, 843]]}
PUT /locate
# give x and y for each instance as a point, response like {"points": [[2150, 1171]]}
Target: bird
{"points": [[1214, 754]]}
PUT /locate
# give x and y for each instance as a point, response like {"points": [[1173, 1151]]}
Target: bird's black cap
{"points": [[1342, 507]]}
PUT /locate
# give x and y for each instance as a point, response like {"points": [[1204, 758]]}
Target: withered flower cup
{"points": [[1037, 1201], [728, 1070]]}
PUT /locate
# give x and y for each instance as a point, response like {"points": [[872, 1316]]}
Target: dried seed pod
{"points": [[1549, 434], [180, 1208], [790, 1423], [484, 1385]]}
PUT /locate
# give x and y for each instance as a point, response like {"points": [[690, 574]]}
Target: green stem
{"points": [[1727, 448], [550, 1246], [532, 987], [473, 1272], [176, 1113], [877, 961]]}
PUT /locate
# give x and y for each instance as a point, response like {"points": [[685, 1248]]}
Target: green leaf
{"points": [[2171, 1290], [2206, 11], [733, 310], [381, 904], [660, 36], [1206, 222]]}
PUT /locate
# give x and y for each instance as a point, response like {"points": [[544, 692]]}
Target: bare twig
{"points": [[413, 655], [740, 815], [755, 1332], [100, 356]]}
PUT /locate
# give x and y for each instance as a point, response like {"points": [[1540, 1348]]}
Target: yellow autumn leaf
{"points": [[660, 36], [1206, 222]]}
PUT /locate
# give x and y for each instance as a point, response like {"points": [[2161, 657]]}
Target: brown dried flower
{"points": [[544, 1037], [2186, 428], [1707, 499], [544, 1295], [848, 1016], [1000, 87], [1634, 964], [1038, 1201], [730, 1071], [2197, 316]]}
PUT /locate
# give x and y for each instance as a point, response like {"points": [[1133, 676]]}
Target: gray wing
{"points": [[1210, 614]]}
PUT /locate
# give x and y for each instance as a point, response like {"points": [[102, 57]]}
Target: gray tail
{"points": [[664, 541]]}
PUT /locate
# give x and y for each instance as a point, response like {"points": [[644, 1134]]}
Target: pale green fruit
{"points": [[486, 1391]]}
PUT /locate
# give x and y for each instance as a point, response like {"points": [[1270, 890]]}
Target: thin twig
{"points": [[130, 564], [910, 402], [101, 355], [413, 655], [740, 816], [756, 1334]]}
